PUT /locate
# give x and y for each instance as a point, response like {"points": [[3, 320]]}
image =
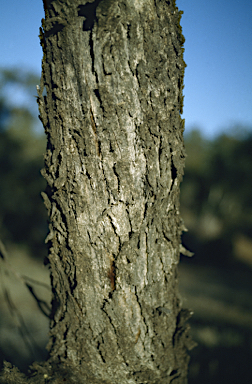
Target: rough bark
{"points": [[113, 74]]}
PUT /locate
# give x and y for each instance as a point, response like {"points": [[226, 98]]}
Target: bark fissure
{"points": [[113, 73]]}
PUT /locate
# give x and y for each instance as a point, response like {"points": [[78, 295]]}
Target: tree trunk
{"points": [[113, 73]]}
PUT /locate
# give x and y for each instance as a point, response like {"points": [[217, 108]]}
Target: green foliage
{"points": [[195, 187], [231, 172], [22, 214], [216, 194]]}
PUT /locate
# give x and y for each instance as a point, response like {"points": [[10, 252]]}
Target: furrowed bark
{"points": [[113, 76]]}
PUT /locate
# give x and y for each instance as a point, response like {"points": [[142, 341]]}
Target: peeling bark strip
{"points": [[113, 74]]}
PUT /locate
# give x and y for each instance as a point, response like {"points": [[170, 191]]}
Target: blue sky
{"points": [[218, 53]]}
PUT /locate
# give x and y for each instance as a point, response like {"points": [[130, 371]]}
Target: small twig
{"points": [[25, 334], [41, 303], [25, 280], [14, 311]]}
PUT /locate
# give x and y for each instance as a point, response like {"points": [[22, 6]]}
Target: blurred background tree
{"points": [[216, 194], [22, 144]]}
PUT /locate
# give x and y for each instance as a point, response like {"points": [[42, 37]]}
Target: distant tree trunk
{"points": [[113, 74]]}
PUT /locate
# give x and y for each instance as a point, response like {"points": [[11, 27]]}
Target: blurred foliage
{"points": [[22, 213], [216, 193]]}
